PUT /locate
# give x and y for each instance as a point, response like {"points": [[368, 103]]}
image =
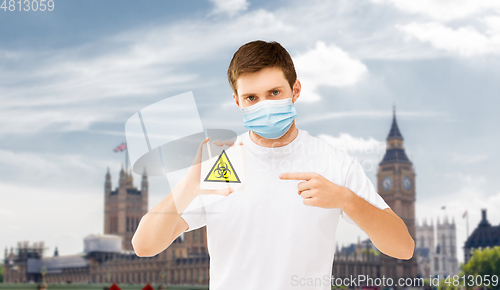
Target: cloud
{"points": [[71, 88], [464, 41], [43, 213], [326, 66], [466, 180], [468, 158], [445, 10], [369, 151], [7, 213], [71, 172], [230, 7], [350, 144], [473, 26], [369, 114], [50, 163]]}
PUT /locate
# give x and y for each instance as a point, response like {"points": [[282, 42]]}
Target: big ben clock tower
{"points": [[396, 185]]}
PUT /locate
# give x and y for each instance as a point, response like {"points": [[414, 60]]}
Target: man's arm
{"points": [[160, 226], [163, 224], [387, 230]]}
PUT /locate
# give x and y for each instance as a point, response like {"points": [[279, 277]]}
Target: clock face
{"points": [[387, 183], [407, 183]]}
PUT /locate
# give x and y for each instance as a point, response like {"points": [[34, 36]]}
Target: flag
{"points": [[465, 213], [443, 207], [121, 147]]}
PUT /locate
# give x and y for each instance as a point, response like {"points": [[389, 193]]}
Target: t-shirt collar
{"points": [[272, 151]]}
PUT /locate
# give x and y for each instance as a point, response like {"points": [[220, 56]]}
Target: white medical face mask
{"points": [[270, 119]]}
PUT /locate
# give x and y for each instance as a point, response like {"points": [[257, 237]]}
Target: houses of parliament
{"points": [[110, 257]]}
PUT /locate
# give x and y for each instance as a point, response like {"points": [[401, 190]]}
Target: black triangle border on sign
{"points": [[230, 164]]}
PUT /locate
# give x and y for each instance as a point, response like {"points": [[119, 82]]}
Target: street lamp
{"points": [[43, 285], [162, 275], [43, 271]]}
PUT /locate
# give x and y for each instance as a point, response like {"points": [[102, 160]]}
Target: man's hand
{"points": [[189, 187], [317, 190]]}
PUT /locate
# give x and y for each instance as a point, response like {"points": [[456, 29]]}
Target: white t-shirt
{"points": [[263, 236]]}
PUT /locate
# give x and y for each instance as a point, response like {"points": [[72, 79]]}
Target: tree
{"points": [[483, 262], [1, 273]]}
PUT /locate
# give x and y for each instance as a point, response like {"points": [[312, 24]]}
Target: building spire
{"points": [[394, 133], [484, 221], [395, 152], [123, 173], [123, 176], [129, 177], [107, 183]]}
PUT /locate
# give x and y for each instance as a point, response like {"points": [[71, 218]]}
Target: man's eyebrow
{"points": [[270, 90], [275, 88]]}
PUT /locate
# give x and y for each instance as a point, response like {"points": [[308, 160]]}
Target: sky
{"points": [[70, 78]]}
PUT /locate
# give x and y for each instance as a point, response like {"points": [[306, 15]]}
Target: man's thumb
{"points": [[224, 191]]}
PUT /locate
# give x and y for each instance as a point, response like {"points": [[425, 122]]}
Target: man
{"points": [[278, 231]]}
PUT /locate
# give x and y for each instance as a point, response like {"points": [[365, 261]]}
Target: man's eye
{"points": [[275, 92], [251, 98]]}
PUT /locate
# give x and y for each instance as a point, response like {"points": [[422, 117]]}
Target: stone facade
{"points": [[177, 265], [396, 185], [357, 259], [124, 206], [437, 257], [110, 257]]}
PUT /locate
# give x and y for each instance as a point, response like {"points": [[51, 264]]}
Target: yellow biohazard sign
{"points": [[223, 171]]}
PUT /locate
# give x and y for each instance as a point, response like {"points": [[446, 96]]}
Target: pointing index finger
{"points": [[297, 175]]}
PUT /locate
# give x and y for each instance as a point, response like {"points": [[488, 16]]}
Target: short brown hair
{"points": [[256, 55]]}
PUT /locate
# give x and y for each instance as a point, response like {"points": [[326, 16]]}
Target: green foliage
{"points": [[370, 251], [483, 262], [1, 273]]}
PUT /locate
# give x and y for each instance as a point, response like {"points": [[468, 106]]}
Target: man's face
{"points": [[266, 84]]}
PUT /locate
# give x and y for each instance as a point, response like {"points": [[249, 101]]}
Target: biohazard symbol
{"points": [[223, 171]]}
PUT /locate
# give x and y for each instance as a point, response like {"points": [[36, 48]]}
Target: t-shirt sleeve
{"points": [[357, 181], [194, 215]]}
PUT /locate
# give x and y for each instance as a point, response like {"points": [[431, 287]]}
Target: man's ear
{"points": [[237, 100], [296, 90]]}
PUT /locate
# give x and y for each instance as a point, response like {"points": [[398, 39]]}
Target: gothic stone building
{"points": [[396, 185], [124, 207], [362, 258], [437, 259], [110, 258]]}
